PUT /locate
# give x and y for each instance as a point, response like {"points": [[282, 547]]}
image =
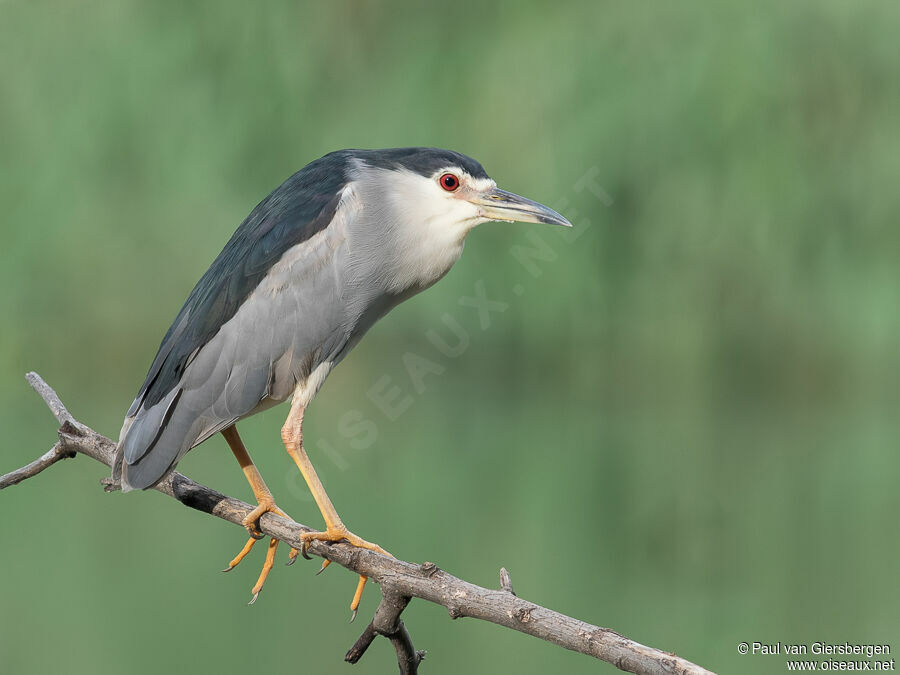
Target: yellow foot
{"points": [[336, 534], [251, 523]]}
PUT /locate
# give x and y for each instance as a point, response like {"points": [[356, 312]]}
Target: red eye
{"points": [[449, 182]]}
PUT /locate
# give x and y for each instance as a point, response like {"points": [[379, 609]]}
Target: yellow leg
{"points": [[265, 504], [335, 530]]}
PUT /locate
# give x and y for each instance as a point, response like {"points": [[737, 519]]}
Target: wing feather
{"points": [[218, 360]]}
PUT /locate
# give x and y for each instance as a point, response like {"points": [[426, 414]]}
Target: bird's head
{"points": [[426, 200], [430, 184]]}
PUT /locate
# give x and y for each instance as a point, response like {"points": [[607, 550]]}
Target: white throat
{"points": [[410, 225]]}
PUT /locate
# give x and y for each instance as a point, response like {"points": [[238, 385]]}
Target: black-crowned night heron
{"points": [[314, 265]]}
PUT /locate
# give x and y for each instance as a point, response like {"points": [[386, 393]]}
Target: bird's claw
{"points": [[357, 596], [251, 523], [251, 520], [338, 534], [335, 535], [304, 545], [253, 532]]}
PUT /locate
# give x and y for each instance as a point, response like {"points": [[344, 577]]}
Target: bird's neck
{"points": [[401, 251]]}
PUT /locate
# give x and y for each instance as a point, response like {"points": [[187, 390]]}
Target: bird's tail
{"points": [[120, 455], [145, 452]]}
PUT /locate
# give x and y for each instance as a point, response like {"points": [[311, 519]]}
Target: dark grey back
{"points": [[297, 209]]}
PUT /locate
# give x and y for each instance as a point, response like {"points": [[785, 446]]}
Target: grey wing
{"points": [[227, 379], [246, 334], [289, 325]]}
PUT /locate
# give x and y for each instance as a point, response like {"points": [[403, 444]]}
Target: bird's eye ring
{"points": [[449, 182]]}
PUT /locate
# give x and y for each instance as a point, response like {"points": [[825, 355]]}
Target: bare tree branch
{"points": [[387, 622], [52, 456], [399, 580]]}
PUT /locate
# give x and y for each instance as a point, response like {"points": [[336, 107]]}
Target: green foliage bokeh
{"points": [[682, 425]]}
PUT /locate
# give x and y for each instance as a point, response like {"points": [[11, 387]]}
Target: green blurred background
{"points": [[682, 426]]}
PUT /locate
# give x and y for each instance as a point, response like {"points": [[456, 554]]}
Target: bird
{"points": [[314, 265]]}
